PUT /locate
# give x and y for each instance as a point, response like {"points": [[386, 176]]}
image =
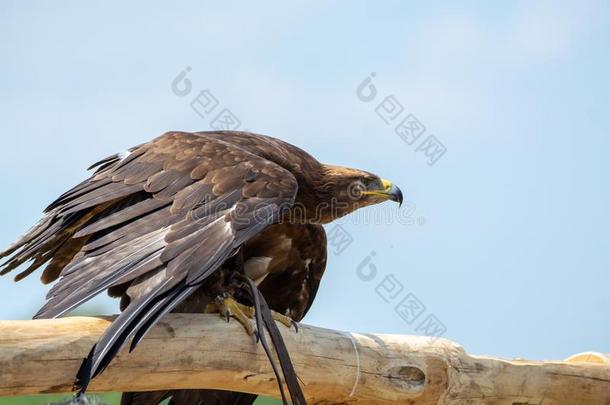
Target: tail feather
{"points": [[188, 397], [147, 398]]}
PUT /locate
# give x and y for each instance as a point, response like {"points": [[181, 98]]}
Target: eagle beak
{"points": [[389, 191], [392, 191]]}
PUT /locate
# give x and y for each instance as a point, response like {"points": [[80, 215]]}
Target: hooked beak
{"points": [[390, 191], [395, 194]]}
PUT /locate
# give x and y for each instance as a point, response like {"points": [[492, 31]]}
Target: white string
{"points": [[351, 338]]}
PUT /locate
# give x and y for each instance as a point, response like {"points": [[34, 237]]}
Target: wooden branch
{"points": [[203, 351]]}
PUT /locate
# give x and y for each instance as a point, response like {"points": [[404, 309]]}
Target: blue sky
{"points": [[507, 242]]}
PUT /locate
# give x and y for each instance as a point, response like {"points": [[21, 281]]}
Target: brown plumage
{"points": [[166, 223]]}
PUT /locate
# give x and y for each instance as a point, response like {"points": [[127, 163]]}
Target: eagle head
{"points": [[342, 190]]}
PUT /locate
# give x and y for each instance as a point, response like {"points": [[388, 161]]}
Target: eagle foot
{"points": [[284, 320], [228, 307]]}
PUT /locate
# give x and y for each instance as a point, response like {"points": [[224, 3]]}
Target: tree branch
{"points": [[203, 351]]}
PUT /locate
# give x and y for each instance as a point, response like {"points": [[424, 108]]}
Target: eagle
{"points": [[219, 221]]}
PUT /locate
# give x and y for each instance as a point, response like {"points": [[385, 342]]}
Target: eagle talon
{"points": [[283, 319], [227, 307]]}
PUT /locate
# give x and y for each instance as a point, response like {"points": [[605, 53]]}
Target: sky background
{"points": [[504, 239]]}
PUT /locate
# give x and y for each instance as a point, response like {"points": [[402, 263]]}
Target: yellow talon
{"points": [[229, 307], [283, 319]]}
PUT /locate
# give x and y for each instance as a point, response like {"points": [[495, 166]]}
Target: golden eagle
{"points": [[190, 221]]}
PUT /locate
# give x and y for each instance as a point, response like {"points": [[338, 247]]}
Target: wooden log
{"points": [[203, 351]]}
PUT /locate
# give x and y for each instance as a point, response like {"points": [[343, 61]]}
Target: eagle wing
{"points": [[161, 220]]}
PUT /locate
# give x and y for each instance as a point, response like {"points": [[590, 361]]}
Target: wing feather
{"points": [[123, 216]]}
